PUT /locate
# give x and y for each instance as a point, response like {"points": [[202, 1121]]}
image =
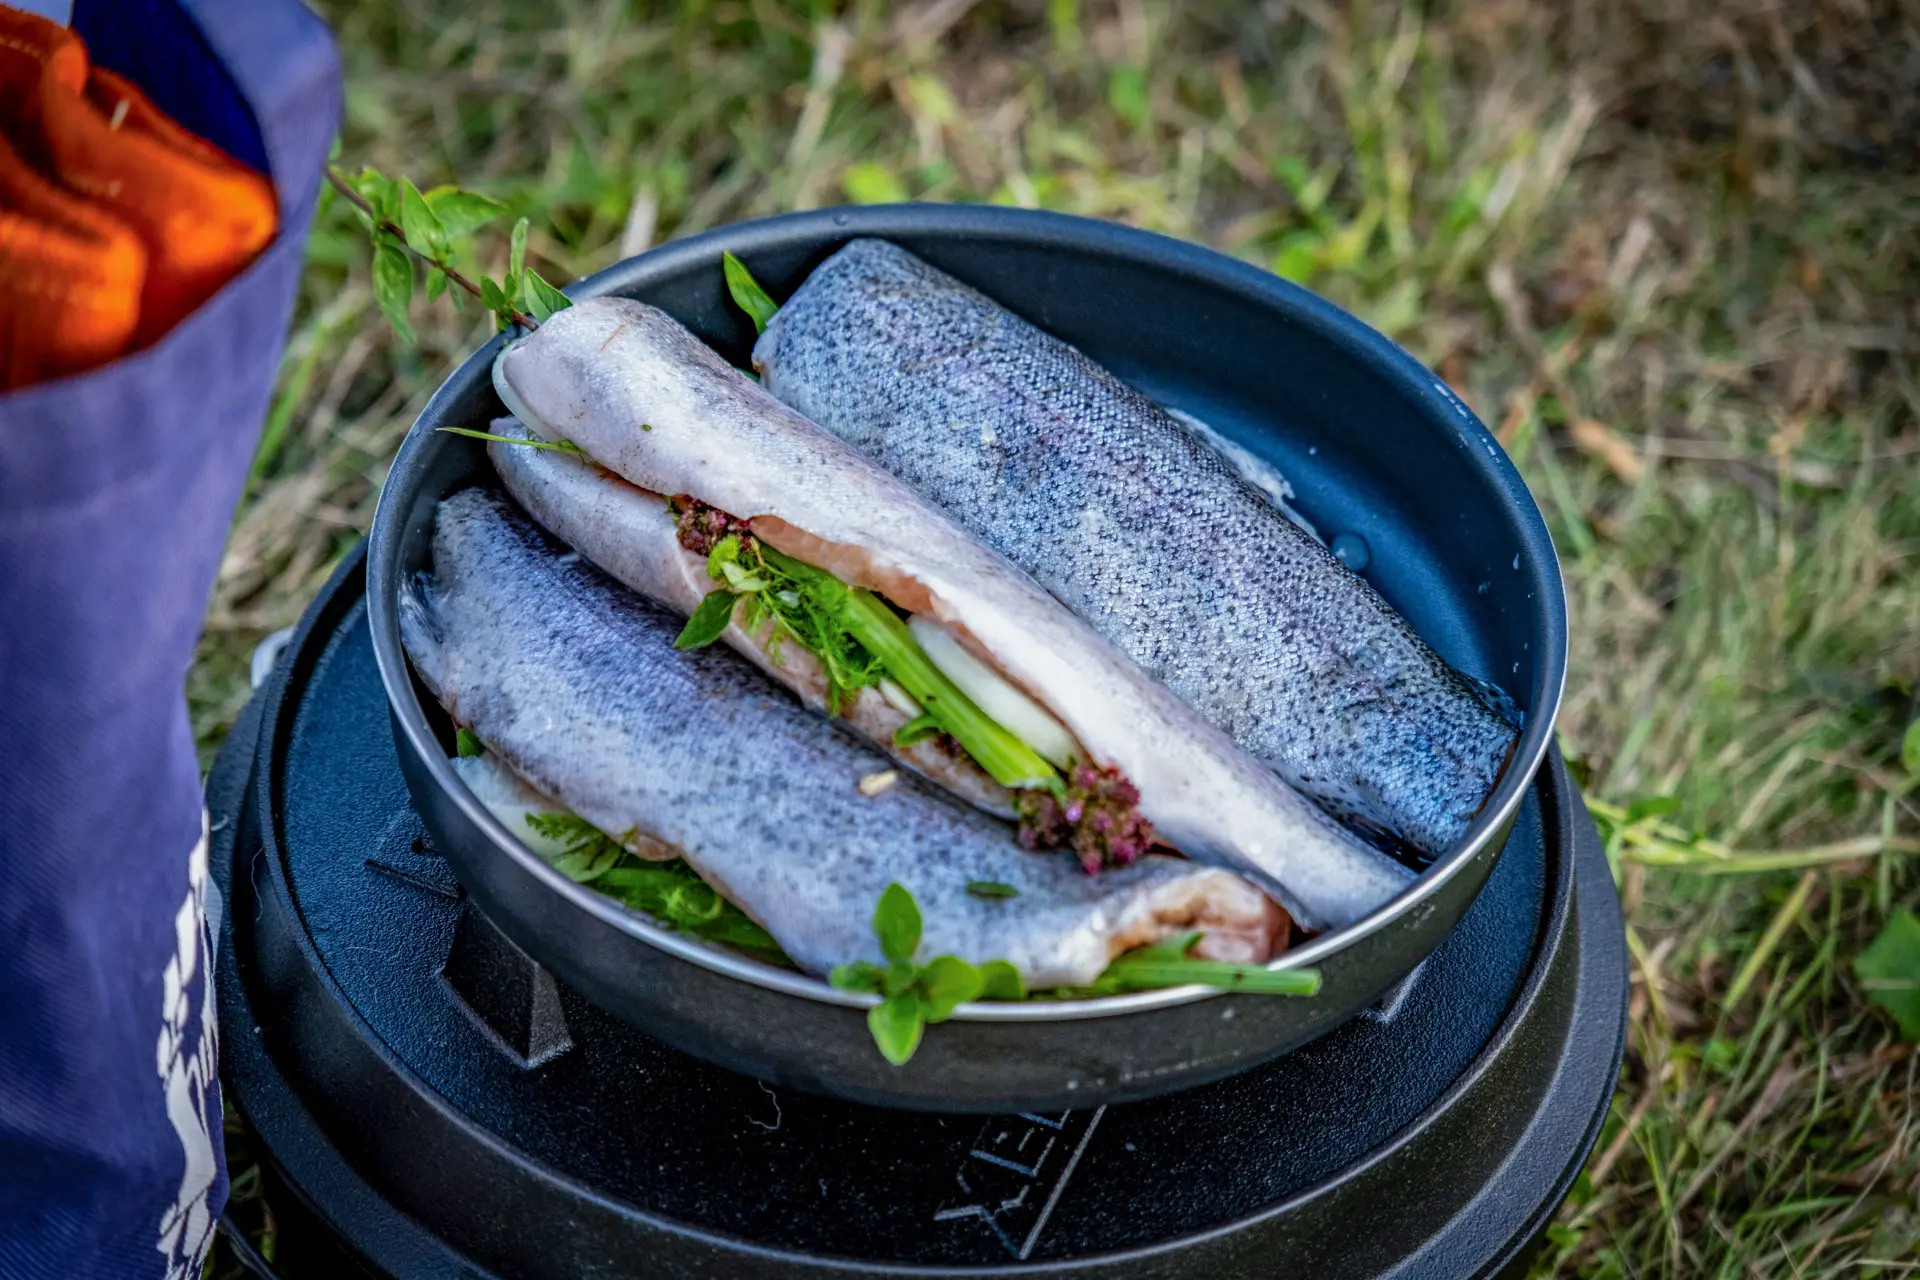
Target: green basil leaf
{"points": [[462, 212], [896, 1025], [1001, 981], [991, 889], [946, 984], [393, 285], [709, 621], [436, 285], [747, 293], [422, 228], [1890, 970], [896, 922], [467, 743]]}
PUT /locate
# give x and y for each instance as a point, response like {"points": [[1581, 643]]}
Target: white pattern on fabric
{"points": [[186, 1228]]}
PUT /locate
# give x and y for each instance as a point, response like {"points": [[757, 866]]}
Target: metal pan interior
{"points": [[1375, 446]]}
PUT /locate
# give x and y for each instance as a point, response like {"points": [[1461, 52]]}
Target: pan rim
{"points": [[1030, 228]]}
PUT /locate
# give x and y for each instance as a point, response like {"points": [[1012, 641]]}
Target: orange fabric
{"points": [[70, 279], [128, 214]]}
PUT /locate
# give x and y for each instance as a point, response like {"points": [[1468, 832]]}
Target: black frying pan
{"points": [[1376, 446]]}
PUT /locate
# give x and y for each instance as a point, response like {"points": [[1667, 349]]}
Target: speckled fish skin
{"points": [[1145, 532], [649, 401], [574, 682]]}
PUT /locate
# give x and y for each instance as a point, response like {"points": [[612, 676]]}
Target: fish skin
{"points": [[646, 399], [574, 683], [1146, 533], [630, 534]]}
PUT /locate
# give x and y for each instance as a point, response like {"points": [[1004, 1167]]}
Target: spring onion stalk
{"points": [[1008, 760]]}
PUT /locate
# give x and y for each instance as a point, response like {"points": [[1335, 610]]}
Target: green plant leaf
{"points": [[870, 183], [467, 744], [739, 579], [1890, 970], [899, 976], [393, 285], [516, 256], [896, 922], [709, 621], [1651, 807], [747, 293], [858, 976], [379, 191], [999, 980], [990, 888], [947, 983], [896, 1024], [462, 212], [1910, 750], [1298, 257], [540, 299], [417, 220], [436, 285], [1127, 94], [725, 552]]}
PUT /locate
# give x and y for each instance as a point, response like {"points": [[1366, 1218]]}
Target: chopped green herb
{"points": [[559, 446], [747, 293], [466, 743], [590, 852], [803, 604], [991, 889], [672, 892]]}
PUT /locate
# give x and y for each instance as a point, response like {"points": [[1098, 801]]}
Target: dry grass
{"points": [[1667, 247]]}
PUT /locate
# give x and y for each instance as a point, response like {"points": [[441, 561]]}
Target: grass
{"points": [[1666, 247]]}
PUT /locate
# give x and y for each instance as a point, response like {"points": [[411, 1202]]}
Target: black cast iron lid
{"points": [[381, 1034]]}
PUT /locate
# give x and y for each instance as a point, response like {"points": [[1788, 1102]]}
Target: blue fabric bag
{"points": [[116, 491]]}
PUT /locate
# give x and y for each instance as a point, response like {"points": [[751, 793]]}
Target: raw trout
{"points": [[648, 401], [630, 533], [1147, 533], [573, 681]]}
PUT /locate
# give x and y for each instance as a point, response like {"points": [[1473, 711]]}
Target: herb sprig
{"points": [[858, 640], [670, 891], [916, 994], [805, 605], [403, 221]]}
